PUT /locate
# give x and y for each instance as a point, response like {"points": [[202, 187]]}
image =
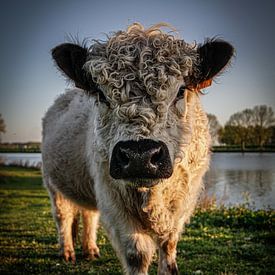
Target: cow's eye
{"points": [[101, 96], [181, 92], [96, 91]]}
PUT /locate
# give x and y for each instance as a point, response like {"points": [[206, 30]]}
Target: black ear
{"points": [[214, 56], [70, 58]]}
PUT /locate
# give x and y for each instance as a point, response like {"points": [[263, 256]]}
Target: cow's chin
{"points": [[140, 183]]}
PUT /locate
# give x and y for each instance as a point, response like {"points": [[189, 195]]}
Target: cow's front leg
{"points": [[167, 256], [90, 224], [138, 253], [135, 250]]}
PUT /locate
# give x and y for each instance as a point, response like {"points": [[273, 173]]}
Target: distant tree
{"points": [[263, 120], [272, 138], [228, 135], [238, 129], [2, 126], [214, 127], [250, 126]]}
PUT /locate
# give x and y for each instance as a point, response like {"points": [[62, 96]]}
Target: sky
{"points": [[29, 81]]}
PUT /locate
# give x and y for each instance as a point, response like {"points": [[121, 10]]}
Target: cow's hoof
{"points": [[173, 268], [68, 256], [91, 254]]}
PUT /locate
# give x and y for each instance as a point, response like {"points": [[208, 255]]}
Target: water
{"points": [[236, 178], [30, 158], [233, 178]]}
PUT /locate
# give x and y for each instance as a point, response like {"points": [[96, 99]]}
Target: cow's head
{"points": [[147, 114]]}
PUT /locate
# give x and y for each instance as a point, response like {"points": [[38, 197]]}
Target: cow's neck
{"points": [[158, 208]]}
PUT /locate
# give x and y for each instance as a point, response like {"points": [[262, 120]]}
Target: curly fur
{"points": [[139, 71], [138, 61]]}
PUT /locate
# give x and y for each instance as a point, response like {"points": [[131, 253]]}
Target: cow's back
{"points": [[64, 146]]}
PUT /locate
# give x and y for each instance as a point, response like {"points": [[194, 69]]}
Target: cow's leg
{"points": [[167, 256], [66, 216], [90, 224], [136, 251]]}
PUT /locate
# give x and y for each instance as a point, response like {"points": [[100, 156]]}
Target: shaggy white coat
{"points": [[79, 134]]}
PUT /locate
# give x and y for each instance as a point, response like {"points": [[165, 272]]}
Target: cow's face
{"points": [[147, 107]]}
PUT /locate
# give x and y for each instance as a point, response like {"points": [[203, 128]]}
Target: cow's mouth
{"points": [[139, 182]]}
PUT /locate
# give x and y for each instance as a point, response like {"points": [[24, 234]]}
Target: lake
{"points": [[236, 178], [233, 178], [30, 158]]}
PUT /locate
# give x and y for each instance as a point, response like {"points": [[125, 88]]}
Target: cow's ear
{"points": [[214, 55], [70, 59]]}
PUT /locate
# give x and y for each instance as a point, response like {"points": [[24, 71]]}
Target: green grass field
{"points": [[217, 241]]}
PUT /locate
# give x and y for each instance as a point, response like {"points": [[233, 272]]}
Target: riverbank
{"points": [[215, 149], [217, 241], [238, 149]]}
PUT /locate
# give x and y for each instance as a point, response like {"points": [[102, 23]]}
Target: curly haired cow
{"points": [[130, 142]]}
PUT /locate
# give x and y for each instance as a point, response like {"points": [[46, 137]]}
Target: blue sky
{"points": [[29, 82]]}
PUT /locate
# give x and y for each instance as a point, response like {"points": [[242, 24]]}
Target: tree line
{"points": [[254, 126]]}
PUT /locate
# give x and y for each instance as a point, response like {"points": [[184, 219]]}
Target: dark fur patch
{"points": [[75, 229], [135, 260], [173, 268]]}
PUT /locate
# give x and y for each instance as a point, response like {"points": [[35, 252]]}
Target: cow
{"points": [[130, 142]]}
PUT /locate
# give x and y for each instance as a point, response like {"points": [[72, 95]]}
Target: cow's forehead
{"points": [[149, 58]]}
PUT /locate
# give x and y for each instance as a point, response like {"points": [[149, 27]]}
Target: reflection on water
{"points": [[233, 178], [29, 158], [240, 178]]}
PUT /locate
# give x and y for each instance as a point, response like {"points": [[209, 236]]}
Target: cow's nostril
{"points": [[156, 157], [122, 157]]}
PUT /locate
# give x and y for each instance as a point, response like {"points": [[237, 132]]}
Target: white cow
{"points": [[131, 142]]}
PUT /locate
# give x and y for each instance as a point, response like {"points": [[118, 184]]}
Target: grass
{"points": [[217, 241]]}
